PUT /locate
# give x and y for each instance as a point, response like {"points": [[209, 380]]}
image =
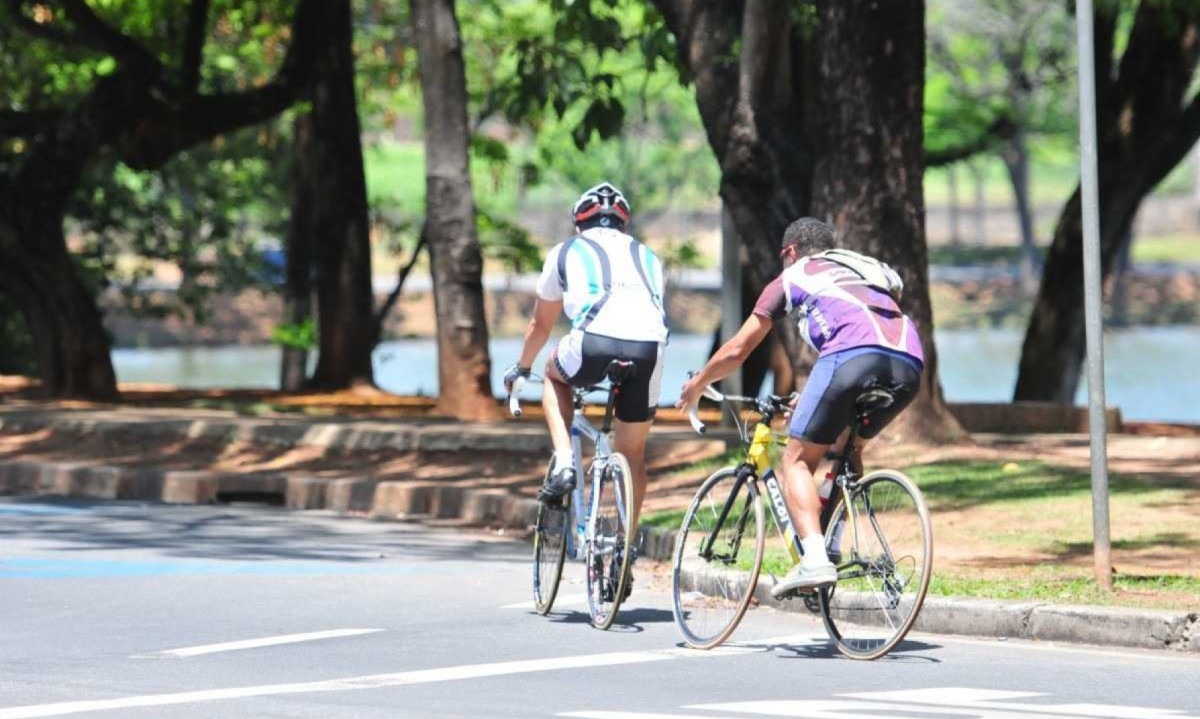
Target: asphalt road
{"points": [[134, 610]]}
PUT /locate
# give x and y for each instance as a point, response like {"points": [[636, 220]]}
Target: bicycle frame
{"points": [[757, 467], [583, 513]]}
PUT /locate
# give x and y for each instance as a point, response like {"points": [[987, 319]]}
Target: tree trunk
{"points": [[1053, 351], [1147, 121], [955, 209], [345, 302], [754, 115], [69, 340], [1016, 160], [980, 213], [464, 362], [868, 176], [297, 292]]}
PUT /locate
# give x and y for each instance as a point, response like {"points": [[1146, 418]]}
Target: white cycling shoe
{"points": [[806, 576]]}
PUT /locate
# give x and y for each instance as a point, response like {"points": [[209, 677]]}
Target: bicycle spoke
{"points": [[887, 535], [714, 572]]}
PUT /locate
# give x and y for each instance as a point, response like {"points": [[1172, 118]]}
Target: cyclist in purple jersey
{"points": [[846, 307]]}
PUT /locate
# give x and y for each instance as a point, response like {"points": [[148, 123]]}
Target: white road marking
{"points": [[255, 643], [567, 600], [992, 699], [376, 681], [951, 701]]}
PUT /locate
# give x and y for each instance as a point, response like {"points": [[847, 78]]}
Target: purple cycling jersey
{"points": [[837, 310]]}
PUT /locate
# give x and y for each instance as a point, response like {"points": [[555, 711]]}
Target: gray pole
{"points": [[731, 292], [1092, 298]]}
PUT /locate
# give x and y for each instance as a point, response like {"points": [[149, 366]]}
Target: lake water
{"points": [[1150, 373]]}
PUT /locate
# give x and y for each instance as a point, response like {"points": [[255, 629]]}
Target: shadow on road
{"points": [[237, 534]]}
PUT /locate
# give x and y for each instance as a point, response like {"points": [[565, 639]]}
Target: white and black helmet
{"points": [[603, 205]]}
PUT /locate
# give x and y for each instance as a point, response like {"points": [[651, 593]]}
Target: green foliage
{"points": [[992, 60], [209, 212], [507, 242], [301, 336]]}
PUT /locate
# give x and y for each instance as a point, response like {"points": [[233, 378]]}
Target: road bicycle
{"points": [[594, 527], [877, 532]]}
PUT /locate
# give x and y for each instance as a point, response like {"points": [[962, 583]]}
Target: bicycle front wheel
{"points": [[718, 555], [549, 549], [882, 544], [609, 541]]}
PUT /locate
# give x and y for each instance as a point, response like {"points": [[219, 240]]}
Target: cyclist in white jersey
{"points": [[846, 305], [611, 288]]}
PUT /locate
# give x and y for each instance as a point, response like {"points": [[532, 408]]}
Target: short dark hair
{"points": [[808, 235]]}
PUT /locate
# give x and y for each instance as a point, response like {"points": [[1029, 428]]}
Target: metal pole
{"points": [[1092, 298], [731, 292]]}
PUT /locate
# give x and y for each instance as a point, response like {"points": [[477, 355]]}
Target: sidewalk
{"points": [[502, 501]]}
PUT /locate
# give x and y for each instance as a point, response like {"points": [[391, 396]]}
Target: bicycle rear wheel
{"points": [[609, 541], [549, 549], [718, 555], [883, 548]]}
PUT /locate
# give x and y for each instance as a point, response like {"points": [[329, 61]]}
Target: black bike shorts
{"points": [[826, 406], [581, 359]]}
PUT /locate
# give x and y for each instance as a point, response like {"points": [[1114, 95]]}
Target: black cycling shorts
{"points": [[581, 358]]}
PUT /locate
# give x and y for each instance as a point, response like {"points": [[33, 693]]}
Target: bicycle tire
{"points": [[549, 550], [883, 567], [710, 594], [609, 541]]}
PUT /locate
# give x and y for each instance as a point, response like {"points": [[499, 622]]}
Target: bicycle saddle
{"points": [[620, 370], [875, 396]]}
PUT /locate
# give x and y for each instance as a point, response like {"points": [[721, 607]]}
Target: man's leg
{"points": [[630, 440], [558, 407], [800, 460], [804, 506]]}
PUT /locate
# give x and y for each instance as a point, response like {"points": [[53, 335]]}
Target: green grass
{"points": [[1053, 585], [1037, 509], [1171, 248]]}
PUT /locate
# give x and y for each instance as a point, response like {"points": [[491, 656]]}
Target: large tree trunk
{"points": [[464, 362], [345, 302], [297, 290], [70, 343], [753, 114], [1147, 120], [143, 113], [868, 176]]}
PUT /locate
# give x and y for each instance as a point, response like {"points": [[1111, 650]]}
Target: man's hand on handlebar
{"points": [[512, 373]]}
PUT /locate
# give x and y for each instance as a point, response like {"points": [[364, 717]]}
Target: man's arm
{"points": [[729, 357], [545, 313]]}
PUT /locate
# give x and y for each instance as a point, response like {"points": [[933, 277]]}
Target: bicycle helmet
{"points": [[602, 205]]}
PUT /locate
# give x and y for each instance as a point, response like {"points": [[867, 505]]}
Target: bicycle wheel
{"points": [[883, 548], [549, 549], [609, 541], [718, 555]]}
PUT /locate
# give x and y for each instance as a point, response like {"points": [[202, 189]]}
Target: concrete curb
{"points": [[1107, 626], [518, 437], [380, 500]]}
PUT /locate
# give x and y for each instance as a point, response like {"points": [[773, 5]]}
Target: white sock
{"points": [[814, 549], [563, 459]]}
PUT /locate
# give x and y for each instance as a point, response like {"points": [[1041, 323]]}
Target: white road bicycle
{"points": [[592, 522]]}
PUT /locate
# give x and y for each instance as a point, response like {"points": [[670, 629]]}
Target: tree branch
{"points": [[174, 127], [102, 36], [1001, 129], [193, 46], [394, 295]]}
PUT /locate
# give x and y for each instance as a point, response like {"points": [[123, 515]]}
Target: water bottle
{"points": [[826, 489]]}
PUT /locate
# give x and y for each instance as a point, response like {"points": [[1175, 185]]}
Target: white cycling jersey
{"points": [[609, 283]]}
